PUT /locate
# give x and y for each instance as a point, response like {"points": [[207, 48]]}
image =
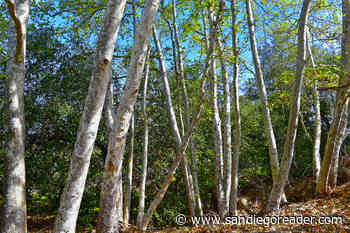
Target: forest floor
{"points": [[302, 203]]}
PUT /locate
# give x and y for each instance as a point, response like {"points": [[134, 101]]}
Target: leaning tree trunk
{"points": [[180, 153], [110, 116], [113, 164], [170, 177], [342, 102], [316, 160], [14, 218], [174, 125], [263, 96], [236, 116], [73, 191], [333, 174], [141, 208], [277, 189], [193, 198]]}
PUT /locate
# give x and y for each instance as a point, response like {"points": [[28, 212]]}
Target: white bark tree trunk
{"points": [[277, 189], [141, 208], [236, 116], [219, 163], [110, 192], [14, 216], [263, 96], [127, 198], [192, 198], [179, 157], [333, 176], [181, 152], [110, 118], [71, 198], [227, 130], [174, 125], [316, 159], [342, 102]]}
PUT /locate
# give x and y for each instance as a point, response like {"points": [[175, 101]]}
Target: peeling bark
{"points": [[73, 191], [14, 216], [112, 172]]}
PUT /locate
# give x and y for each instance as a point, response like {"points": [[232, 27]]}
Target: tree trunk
{"points": [[263, 97], [277, 189], [127, 198], [188, 175], [80, 161], [180, 152], [174, 125], [141, 208], [110, 118], [236, 116], [219, 166], [316, 159], [14, 218], [170, 177], [333, 175], [227, 130], [110, 192], [342, 101]]}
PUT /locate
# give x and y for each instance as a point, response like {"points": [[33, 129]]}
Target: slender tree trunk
{"points": [[174, 125], [342, 101], [236, 116], [14, 218], [141, 208], [277, 189], [263, 97], [227, 130], [181, 152], [188, 175], [333, 175], [219, 163], [127, 199], [170, 177], [113, 164], [72, 194], [316, 159]]}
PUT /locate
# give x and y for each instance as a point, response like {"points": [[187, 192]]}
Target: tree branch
{"points": [[18, 24]]}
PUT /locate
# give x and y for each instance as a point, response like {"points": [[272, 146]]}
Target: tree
{"points": [[334, 139], [317, 138], [236, 116], [112, 171], [263, 96], [14, 217], [278, 186], [80, 160], [141, 207]]}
